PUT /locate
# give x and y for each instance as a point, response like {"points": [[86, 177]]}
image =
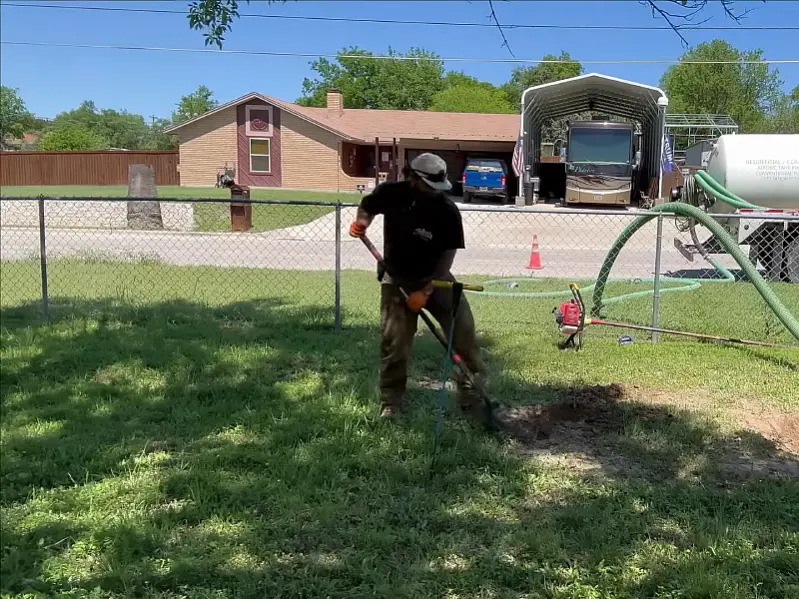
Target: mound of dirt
{"points": [[783, 429], [586, 427]]}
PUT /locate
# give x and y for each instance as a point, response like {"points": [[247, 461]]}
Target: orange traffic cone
{"points": [[535, 257]]}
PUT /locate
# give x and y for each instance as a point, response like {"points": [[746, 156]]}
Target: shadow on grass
{"points": [[764, 356], [232, 452]]}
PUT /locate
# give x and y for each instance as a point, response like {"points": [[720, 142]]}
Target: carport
{"points": [[597, 93]]}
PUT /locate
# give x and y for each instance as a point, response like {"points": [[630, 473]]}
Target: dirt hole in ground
{"points": [[588, 411], [587, 427]]}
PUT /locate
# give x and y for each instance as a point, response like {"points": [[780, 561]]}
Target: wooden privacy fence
{"points": [[84, 168]]}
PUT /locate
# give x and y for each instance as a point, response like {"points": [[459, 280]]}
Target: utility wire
{"points": [[384, 57], [411, 22]]}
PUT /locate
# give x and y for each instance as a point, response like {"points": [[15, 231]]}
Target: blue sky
{"points": [[150, 83]]}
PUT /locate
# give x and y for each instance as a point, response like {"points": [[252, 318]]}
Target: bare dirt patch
{"points": [[782, 429], [589, 428]]}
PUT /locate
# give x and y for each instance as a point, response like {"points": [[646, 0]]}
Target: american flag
{"points": [[517, 156]]}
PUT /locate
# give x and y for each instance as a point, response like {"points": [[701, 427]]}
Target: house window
{"points": [[259, 121], [260, 159]]}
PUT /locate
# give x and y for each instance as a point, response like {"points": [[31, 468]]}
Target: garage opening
{"points": [[456, 164]]}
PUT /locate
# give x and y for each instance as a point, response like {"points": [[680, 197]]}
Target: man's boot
{"points": [[390, 412], [392, 407]]}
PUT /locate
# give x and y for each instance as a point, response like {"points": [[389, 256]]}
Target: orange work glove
{"points": [[357, 229], [418, 300]]}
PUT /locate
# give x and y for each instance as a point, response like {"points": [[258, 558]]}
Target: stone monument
{"points": [[141, 184]]}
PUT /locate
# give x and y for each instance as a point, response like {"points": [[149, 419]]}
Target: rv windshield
{"points": [[600, 146]]}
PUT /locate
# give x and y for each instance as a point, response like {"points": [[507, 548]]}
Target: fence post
{"points": [[43, 262], [337, 308], [656, 295]]}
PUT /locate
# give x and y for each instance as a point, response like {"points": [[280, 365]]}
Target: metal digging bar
{"points": [[456, 358], [637, 327]]}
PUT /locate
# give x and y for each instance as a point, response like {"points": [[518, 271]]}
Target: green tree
{"points": [[405, 83], [198, 102], [409, 84], [472, 97], [122, 130], [72, 137], [453, 78], [749, 93], [158, 140], [546, 72], [354, 77], [786, 114], [14, 116]]}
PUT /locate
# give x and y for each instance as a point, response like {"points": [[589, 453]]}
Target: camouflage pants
{"points": [[398, 326]]}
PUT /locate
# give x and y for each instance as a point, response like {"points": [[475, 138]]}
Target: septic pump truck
{"points": [[601, 162]]}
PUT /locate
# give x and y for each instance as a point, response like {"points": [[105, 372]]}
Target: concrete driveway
{"points": [[572, 244]]}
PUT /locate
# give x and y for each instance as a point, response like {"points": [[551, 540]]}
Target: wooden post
{"points": [[395, 158], [377, 161]]}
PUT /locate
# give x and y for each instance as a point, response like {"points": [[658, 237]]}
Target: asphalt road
{"points": [[571, 244]]}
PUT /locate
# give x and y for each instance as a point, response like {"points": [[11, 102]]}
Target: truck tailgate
{"points": [[484, 177]]}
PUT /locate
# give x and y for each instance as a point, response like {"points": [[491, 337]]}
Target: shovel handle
{"points": [[436, 283], [433, 329], [449, 284]]}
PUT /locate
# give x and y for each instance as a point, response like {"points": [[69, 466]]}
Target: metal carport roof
{"points": [[599, 93]]}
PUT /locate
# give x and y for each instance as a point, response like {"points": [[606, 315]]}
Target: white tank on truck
{"points": [[762, 169], [763, 172]]}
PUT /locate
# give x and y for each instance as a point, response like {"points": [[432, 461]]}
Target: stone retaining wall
{"points": [[68, 214]]}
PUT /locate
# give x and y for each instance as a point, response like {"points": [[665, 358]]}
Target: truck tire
{"points": [[792, 261], [467, 197]]}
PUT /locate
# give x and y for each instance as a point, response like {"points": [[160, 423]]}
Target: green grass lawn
{"points": [[204, 433], [211, 216]]}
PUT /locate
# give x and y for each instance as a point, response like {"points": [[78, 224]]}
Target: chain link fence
{"points": [[69, 255]]}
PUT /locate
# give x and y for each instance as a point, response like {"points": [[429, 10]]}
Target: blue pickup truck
{"points": [[485, 178]]}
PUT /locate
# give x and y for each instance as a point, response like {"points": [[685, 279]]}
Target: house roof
{"points": [[365, 124], [287, 106]]}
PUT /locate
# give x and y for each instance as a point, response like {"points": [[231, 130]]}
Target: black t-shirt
{"points": [[418, 227]]}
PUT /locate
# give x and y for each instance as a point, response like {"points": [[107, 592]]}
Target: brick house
{"points": [[272, 143]]}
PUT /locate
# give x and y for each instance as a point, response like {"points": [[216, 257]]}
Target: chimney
{"points": [[335, 103]]}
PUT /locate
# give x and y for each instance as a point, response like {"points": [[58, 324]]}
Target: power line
{"points": [[384, 57], [411, 22]]}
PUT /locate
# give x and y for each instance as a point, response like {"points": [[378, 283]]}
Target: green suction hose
{"points": [[724, 238], [686, 284], [710, 186]]}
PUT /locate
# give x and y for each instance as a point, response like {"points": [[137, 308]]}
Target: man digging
{"points": [[422, 232]]}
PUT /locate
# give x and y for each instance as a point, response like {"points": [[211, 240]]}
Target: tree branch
{"points": [[727, 5], [691, 9]]}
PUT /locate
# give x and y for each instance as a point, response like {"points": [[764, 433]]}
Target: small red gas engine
{"points": [[570, 318]]}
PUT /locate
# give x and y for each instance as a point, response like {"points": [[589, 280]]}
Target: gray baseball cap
{"points": [[432, 170]]}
